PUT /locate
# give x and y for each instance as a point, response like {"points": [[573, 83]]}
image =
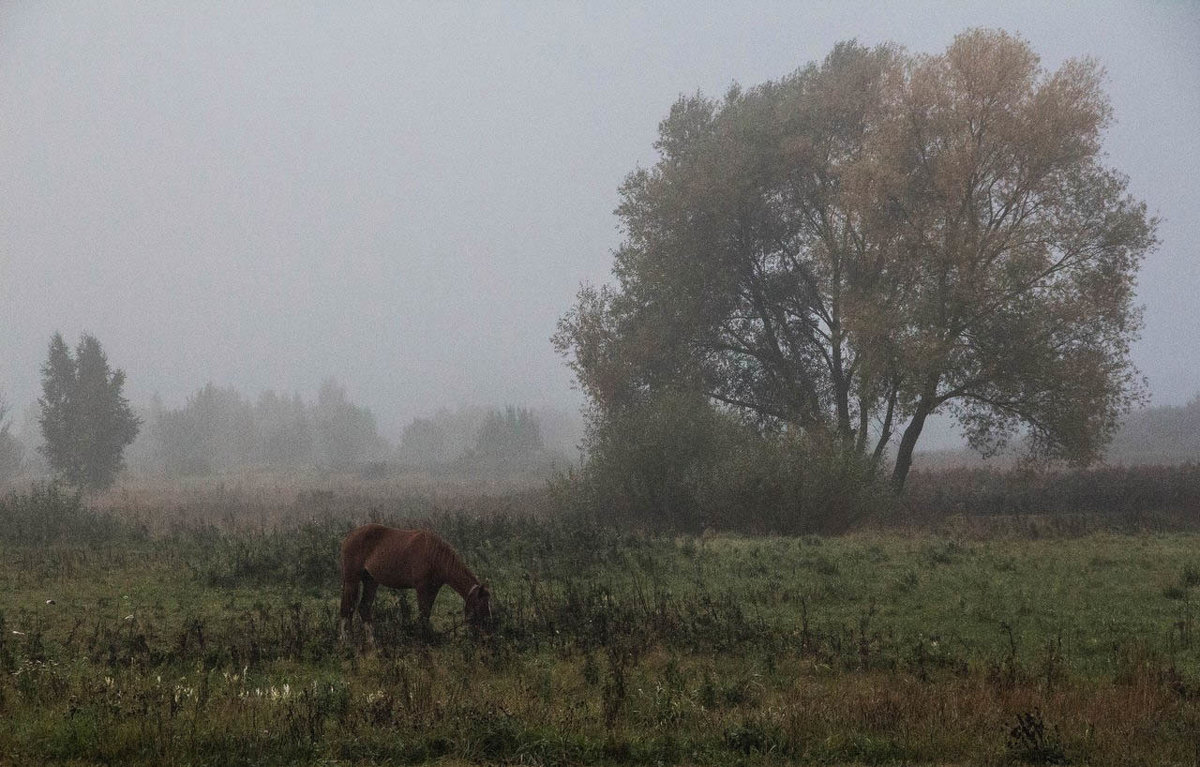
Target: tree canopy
{"points": [[876, 238]]}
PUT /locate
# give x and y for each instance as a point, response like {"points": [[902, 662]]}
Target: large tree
{"points": [[875, 239], [86, 421]]}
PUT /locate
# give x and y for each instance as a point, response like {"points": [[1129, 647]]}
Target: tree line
{"points": [[218, 429], [87, 427]]}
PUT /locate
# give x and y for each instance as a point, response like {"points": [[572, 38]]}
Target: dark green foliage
{"points": [[58, 405], [675, 462], [650, 462], [86, 421]]}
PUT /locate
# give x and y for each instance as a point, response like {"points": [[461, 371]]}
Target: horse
{"points": [[406, 559]]}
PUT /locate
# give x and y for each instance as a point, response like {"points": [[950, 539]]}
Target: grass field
{"points": [[201, 644]]}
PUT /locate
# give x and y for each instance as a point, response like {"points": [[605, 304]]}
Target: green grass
{"points": [[206, 647]]}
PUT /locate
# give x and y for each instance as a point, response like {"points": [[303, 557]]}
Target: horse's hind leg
{"points": [[349, 600], [369, 587]]}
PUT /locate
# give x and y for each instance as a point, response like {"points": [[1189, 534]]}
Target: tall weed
{"points": [[50, 514]]}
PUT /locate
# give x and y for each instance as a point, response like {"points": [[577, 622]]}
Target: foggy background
{"points": [[406, 198]]}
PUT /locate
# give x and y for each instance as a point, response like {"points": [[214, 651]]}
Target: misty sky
{"points": [[406, 197]]}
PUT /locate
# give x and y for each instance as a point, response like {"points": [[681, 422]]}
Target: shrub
{"points": [[675, 462], [1123, 497]]}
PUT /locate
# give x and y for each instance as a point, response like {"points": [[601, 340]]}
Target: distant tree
{"points": [[218, 430], [425, 441], [12, 452], [285, 435], [509, 435], [86, 421], [179, 442], [875, 239], [58, 420], [346, 433], [226, 424], [214, 431], [1162, 434], [445, 437]]}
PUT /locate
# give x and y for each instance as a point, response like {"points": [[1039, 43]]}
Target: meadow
{"points": [[201, 628]]}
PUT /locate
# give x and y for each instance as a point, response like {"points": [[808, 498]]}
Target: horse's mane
{"points": [[449, 563]]}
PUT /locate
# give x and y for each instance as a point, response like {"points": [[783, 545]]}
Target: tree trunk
{"points": [[907, 443]]}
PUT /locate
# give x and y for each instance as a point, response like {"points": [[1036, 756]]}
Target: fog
{"points": [[407, 197]]}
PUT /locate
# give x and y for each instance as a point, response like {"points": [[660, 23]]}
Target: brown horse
{"points": [[405, 559]]}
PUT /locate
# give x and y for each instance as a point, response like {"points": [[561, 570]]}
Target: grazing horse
{"points": [[405, 559]]}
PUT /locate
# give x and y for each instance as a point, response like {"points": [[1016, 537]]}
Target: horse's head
{"points": [[478, 607]]}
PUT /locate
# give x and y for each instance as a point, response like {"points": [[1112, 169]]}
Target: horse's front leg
{"points": [[350, 586], [370, 585], [426, 594]]}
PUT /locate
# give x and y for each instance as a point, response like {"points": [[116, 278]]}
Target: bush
{"points": [[675, 462], [1122, 497], [788, 486]]}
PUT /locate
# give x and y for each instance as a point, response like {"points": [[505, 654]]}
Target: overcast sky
{"points": [[407, 196]]}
